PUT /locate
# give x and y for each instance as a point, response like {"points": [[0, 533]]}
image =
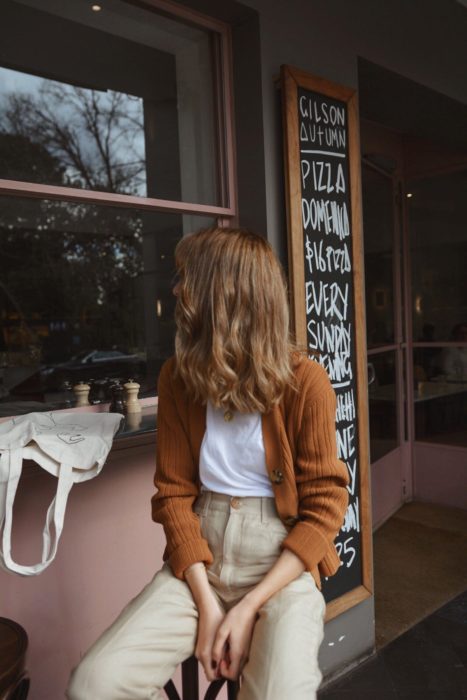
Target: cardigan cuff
{"points": [[307, 543], [187, 554]]}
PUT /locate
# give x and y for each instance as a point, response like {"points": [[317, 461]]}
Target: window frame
{"points": [[227, 212]]}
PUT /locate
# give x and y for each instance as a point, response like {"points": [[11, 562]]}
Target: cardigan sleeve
{"points": [[321, 478], [176, 483]]}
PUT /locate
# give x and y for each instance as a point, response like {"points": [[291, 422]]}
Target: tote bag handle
{"points": [[10, 472]]}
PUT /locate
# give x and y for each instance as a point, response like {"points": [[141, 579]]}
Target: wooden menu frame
{"points": [[293, 82]]}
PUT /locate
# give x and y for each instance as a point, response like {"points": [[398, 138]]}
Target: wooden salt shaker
{"points": [[132, 404], [81, 392], [133, 420]]}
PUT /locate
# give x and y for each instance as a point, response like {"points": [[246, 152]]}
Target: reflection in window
{"points": [[378, 228], [440, 394], [383, 408], [85, 294], [118, 101], [438, 234], [66, 135]]}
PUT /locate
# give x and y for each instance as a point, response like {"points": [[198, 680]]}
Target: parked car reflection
{"points": [[93, 364]]}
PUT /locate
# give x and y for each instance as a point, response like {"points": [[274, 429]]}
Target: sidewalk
{"points": [[428, 662]]}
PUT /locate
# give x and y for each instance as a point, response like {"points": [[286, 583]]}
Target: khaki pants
{"points": [[138, 654]]}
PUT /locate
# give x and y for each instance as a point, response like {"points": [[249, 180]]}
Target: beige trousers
{"points": [[138, 654]]}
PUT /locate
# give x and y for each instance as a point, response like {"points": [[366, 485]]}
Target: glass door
{"points": [[385, 346]]}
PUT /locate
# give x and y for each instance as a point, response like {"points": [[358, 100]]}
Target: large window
{"points": [[438, 236], [120, 100], [114, 143]]}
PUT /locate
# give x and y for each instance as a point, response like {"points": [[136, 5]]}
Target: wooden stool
{"points": [[14, 683], [190, 687]]}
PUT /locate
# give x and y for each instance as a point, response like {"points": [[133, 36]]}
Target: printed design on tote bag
{"points": [[70, 433]]}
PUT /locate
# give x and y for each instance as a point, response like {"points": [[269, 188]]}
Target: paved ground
{"points": [[428, 662]]}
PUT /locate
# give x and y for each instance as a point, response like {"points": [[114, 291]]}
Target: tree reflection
{"points": [[72, 263], [96, 138], [65, 264]]}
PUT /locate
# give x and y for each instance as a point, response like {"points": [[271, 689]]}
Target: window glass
{"points": [[383, 406], [378, 228], [85, 295], [440, 394], [120, 100], [438, 235]]}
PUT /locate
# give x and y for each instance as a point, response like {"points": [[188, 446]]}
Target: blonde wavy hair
{"points": [[232, 344]]}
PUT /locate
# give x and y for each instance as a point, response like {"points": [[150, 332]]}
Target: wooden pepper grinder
{"points": [[132, 404], [81, 392]]}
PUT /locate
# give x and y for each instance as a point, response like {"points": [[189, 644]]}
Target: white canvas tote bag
{"points": [[71, 446]]}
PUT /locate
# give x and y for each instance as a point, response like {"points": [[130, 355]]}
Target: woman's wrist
{"points": [[197, 566], [285, 569], [197, 579], [252, 601]]}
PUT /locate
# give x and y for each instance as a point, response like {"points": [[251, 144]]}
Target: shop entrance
{"points": [[414, 191]]}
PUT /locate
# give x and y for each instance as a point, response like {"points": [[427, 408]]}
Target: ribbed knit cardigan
{"points": [[309, 481]]}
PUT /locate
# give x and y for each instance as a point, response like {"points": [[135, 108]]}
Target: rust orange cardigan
{"points": [[309, 481]]}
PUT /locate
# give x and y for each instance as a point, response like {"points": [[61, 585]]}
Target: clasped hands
{"points": [[223, 640]]}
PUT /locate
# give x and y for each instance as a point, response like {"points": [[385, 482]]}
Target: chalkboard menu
{"points": [[324, 230]]}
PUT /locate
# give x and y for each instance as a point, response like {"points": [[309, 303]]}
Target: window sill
{"points": [[135, 429]]}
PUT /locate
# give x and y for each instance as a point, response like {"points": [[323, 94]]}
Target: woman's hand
{"points": [[210, 617], [233, 639]]}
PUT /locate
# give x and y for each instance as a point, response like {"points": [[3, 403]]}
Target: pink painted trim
{"points": [[400, 454], [186, 13], [381, 348], [398, 323], [94, 408], [226, 139], [441, 344], [445, 446], [409, 469], [230, 145], [37, 190], [225, 126]]}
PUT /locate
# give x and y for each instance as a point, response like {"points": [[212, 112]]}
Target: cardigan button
{"points": [[277, 476]]}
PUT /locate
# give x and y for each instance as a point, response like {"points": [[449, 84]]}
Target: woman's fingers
{"points": [[232, 664], [220, 641], [210, 617], [204, 657]]}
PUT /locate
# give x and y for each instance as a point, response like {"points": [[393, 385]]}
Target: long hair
{"points": [[232, 344]]}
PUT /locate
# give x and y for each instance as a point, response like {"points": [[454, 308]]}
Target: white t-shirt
{"points": [[232, 457]]}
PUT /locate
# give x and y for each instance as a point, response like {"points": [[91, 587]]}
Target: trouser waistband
{"points": [[257, 505]]}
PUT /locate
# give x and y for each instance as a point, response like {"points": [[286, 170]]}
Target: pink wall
{"points": [[109, 550], [386, 486], [440, 474]]}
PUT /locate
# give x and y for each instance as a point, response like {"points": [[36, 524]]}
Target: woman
{"points": [[250, 492]]}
